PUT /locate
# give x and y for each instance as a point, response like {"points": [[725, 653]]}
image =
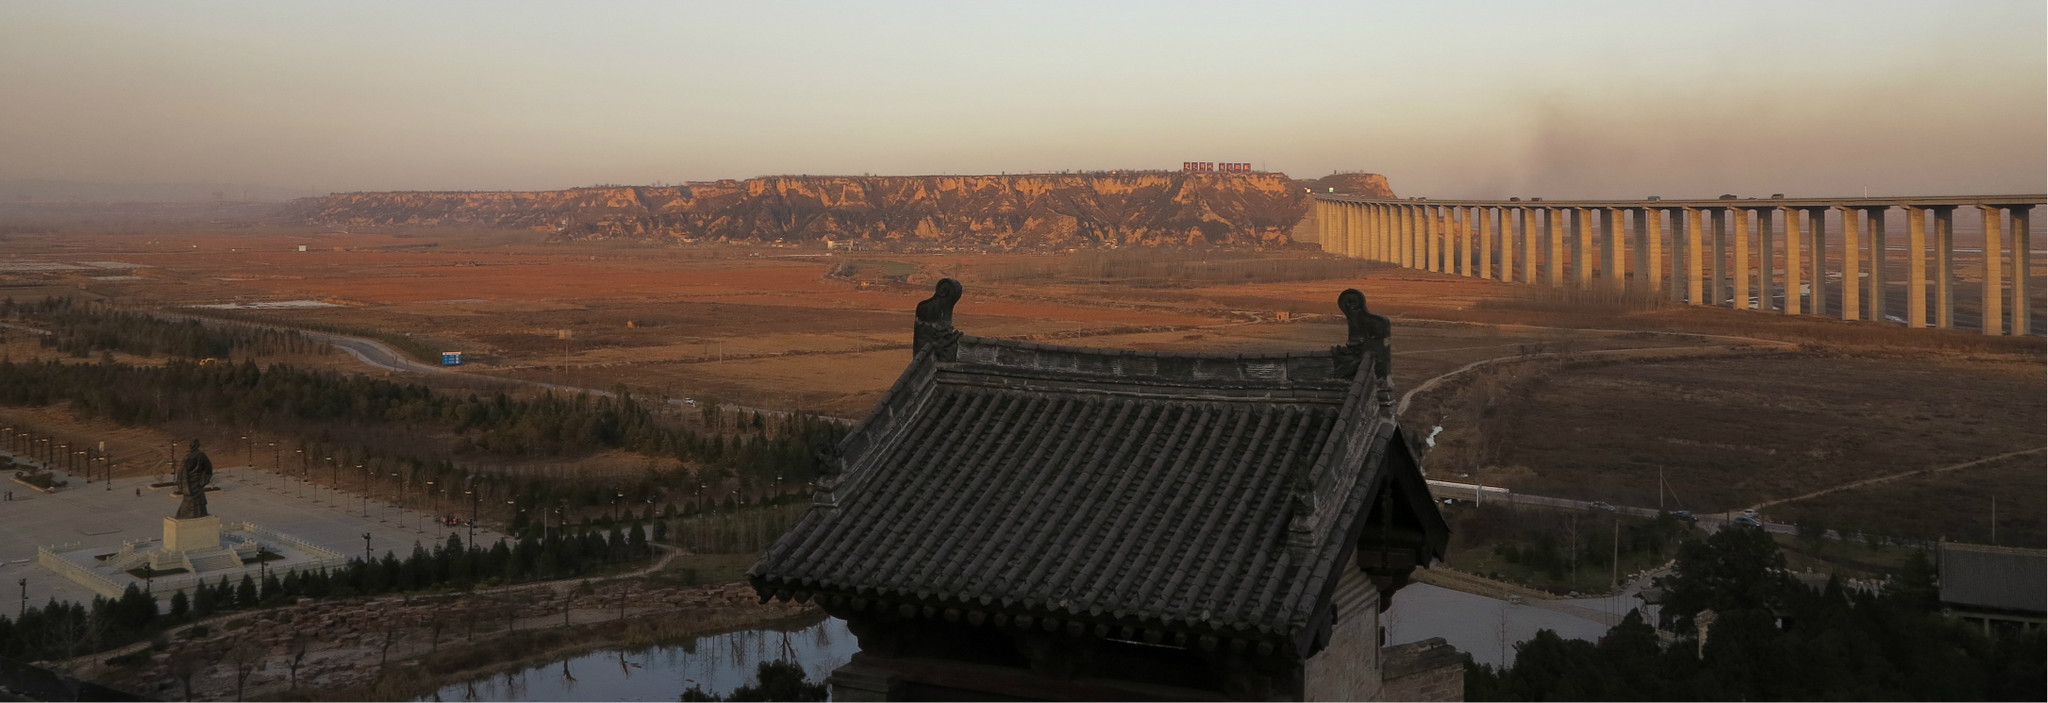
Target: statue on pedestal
{"points": [[193, 475]]}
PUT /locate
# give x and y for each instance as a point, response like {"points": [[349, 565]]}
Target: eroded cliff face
{"points": [[1032, 211]]}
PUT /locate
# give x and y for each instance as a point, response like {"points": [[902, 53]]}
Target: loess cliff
{"points": [[1027, 211]]}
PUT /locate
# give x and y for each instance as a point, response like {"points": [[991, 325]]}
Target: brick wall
{"points": [[1430, 670], [1349, 668]]}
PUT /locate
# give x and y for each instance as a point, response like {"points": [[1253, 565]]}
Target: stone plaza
{"points": [[84, 521]]}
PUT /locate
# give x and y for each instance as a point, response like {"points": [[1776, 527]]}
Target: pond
{"points": [[1485, 627], [717, 663]]}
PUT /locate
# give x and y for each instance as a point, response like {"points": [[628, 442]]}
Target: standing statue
{"points": [[193, 475]]}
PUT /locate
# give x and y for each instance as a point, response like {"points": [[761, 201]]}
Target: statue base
{"points": [[191, 533]]}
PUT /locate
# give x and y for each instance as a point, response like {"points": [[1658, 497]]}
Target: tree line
{"points": [[80, 329], [1773, 638], [67, 629], [282, 396]]}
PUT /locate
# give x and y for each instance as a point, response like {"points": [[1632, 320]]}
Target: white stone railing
{"points": [[50, 559]]}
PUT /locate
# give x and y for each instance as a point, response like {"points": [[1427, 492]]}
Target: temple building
{"points": [[1021, 521]]}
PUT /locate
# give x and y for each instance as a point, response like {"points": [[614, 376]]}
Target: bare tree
{"points": [[299, 646], [391, 628], [245, 658], [186, 663], [435, 626]]}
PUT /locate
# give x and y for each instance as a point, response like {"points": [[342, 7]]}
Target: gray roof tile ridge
{"points": [[1068, 540], [1211, 530], [1103, 577], [1039, 574], [1209, 496], [1077, 582], [969, 572], [1221, 594], [921, 492], [1273, 542], [971, 473], [863, 530], [1131, 582], [1122, 413]]}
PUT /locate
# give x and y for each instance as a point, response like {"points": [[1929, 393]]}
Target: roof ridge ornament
{"points": [[1369, 334], [934, 327]]}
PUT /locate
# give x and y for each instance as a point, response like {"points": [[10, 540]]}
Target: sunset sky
{"points": [[1448, 99]]}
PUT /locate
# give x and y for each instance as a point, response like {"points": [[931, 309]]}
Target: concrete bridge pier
{"points": [[1485, 216], [1615, 245], [1878, 300], [2023, 268], [1766, 262], [1465, 239], [1553, 234], [1916, 266], [1528, 239], [1852, 260], [1994, 269], [1439, 237], [1795, 234], [1817, 263], [1944, 267], [1742, 295], [1717, 269], [1695, 259]]}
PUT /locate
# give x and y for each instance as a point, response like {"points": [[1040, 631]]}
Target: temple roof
{"points": [[1195, 493]]}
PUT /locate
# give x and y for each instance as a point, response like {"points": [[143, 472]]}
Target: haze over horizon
{"points": [[1471, 99]]}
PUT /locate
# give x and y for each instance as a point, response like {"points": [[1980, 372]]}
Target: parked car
{"points": [[1747, 520], [1751, 514], [1604, 505], [1685, 515]]}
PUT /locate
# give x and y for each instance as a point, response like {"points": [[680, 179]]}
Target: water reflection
{"points": [[718, 664]]}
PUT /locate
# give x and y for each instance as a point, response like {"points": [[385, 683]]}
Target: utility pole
{"points": [[1660, 488], [1617, 551]]}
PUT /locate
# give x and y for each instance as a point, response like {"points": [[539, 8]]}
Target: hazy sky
{"points": [[1449, 99]]}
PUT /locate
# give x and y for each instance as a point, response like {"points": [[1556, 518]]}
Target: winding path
{"points": [[1897, 476]]}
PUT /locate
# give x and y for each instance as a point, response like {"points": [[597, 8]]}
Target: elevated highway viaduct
{"points": [[1726, 251]]}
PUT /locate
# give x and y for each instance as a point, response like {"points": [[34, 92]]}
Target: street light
{"points": [[366, 490], [436, 497], [475, 500], [366, 549], [24, 598], [277, 464]]}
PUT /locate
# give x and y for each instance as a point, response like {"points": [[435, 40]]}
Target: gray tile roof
{"points": [[1192, 493], [2000, 578]]}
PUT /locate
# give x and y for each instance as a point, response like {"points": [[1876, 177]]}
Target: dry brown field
{"points": [[777, 328]]}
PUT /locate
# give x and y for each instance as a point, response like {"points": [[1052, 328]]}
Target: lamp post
{"points": [[249, 457], [366, 490], [366, 549], [436, 498], [475, 501], [303, 473], [24, 598], [277, 464], [401, 498]]}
